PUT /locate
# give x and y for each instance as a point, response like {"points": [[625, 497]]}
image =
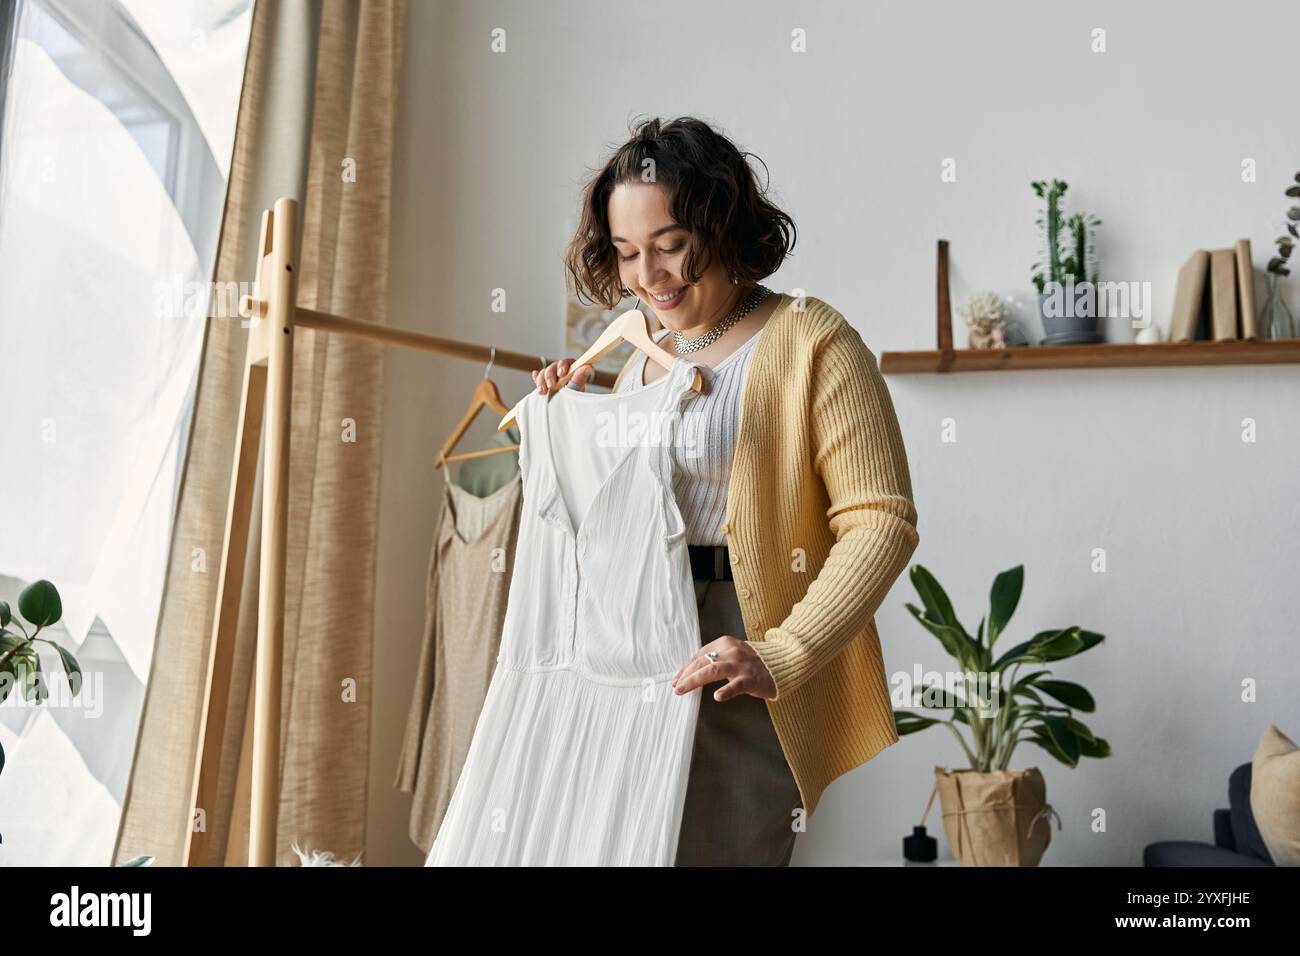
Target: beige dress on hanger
{"points": [[468, 582]]}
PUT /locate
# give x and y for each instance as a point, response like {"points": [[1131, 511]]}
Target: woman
{"points": [[798, 523]]}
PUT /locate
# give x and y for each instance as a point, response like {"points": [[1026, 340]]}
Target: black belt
{"points": [[710, 562]]}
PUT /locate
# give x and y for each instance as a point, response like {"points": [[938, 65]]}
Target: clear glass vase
{"points": [[1275, 318]]}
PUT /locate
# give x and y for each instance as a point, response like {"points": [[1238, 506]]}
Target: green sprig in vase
{"points": [[1275, 318]]}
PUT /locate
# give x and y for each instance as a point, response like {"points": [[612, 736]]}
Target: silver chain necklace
{"points": [[756, 295]]}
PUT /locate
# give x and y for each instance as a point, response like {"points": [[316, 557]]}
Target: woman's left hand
{"points": [[737, 663]]}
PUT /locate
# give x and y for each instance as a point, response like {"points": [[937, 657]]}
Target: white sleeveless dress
{"points": [[582, 750]]}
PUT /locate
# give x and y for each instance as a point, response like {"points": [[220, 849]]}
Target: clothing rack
{"points": [[268, 384]]}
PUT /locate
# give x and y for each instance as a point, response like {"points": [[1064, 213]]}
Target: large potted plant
{"points": [[993, 815], [1066, 272]]}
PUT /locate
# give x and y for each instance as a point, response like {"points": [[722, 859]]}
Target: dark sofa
{"points": [[1236, 838]]}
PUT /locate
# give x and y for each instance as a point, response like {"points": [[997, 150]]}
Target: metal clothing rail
{"points": [[268, 385]]}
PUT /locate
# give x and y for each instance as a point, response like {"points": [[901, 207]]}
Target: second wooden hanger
{"points": [[632, 327]]}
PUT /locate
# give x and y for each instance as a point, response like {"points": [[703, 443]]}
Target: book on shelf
{"points": [[1189, 317], [1214, 298], [1246, 291], [1223, 294]]}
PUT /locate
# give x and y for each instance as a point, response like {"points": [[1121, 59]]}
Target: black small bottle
{"points": [[919, 848]]}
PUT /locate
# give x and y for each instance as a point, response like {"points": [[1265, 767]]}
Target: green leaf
{"points": [[1003, 599], [954, 641], [1042, 647], [9, 677], [1063, 737], [1020, 654], [1030, 679], [1065, 644], [1046, 742], [1097, 747], [6, 615], [39, 603], [1028, 692], [936, 602], [1043, 710], [1071, 694], [70, 665], [1079, 729], [919, 694], [906, 722], [1089, 640], [29, 677]]}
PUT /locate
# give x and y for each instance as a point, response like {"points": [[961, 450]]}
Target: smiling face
{"points": [[651, 249]]}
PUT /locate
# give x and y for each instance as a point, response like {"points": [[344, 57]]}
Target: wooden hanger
{"points": [[632, 326], [485, 395]]}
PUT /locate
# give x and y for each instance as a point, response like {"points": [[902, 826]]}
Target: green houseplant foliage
{"points": [[1049, 267], [1031, 707], [1068, 255], [1285, 244], [1080, 264], [20, 665]]}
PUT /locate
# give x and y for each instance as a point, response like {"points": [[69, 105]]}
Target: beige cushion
{"points": [[1275, 795]]}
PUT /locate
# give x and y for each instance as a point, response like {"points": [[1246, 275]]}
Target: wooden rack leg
{"points": [[283, 286], [212, 728], [197, 849]]}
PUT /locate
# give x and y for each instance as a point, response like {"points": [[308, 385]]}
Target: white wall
{"points": [[1200, 591]]}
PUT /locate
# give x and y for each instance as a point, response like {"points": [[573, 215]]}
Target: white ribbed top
{"points": [[710, 423]]}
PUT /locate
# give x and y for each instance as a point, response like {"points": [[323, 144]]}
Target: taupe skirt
{"points": [[741, 798]]}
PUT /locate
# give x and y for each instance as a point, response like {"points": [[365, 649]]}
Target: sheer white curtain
{"points": [[118, 124]]}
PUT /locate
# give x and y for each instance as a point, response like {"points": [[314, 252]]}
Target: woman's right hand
{"points": [[546, 378]]}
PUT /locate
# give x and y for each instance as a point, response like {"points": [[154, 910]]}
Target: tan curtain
{"points": [[315, 123]]}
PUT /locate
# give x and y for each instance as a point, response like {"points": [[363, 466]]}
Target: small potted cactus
{"points": [[1066, 273]]}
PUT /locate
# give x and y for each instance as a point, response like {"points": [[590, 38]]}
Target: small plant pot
{"points": [[1076, 322], [1000, 818]]}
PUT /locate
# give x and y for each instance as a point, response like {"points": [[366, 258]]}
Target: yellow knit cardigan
{"points": [[820, 523]]}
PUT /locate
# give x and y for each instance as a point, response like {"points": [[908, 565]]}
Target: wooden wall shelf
{"points": [[1113, 355]]}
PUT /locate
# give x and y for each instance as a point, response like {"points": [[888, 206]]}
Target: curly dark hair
{"points": [[712, 192]]}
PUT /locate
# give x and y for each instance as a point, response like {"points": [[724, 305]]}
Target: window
{"points": [[119, 119]]}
